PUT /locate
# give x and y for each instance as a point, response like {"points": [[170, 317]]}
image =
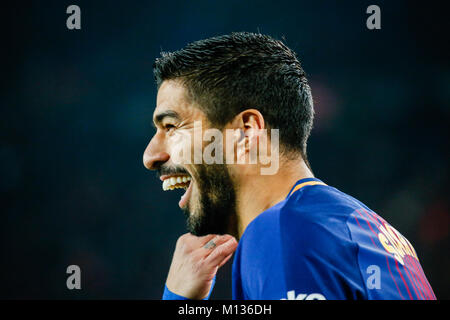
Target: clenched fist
{"points": [[196, 261]]}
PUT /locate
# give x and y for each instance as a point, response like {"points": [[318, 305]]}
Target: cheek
{"points": [[180, 148]]}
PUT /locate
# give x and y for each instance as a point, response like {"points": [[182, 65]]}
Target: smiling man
{"points": [[298, 237]]}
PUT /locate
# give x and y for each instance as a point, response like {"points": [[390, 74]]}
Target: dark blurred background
{"points": [[76, 117]]}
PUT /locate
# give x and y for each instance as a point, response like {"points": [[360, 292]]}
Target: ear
{"points": [[252, 119], [249, 122]]}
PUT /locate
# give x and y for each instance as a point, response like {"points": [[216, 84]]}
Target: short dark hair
{"points": [[230, 73]]}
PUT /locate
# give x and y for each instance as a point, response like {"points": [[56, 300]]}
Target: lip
{"points": [[186, 196]]}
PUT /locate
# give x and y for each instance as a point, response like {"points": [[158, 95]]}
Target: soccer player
{"points": [[298, 237]]}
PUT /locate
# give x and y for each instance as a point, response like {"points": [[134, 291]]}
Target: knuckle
{"points": [[183, 243], [181, 239], [220, 251], [185, 236]]}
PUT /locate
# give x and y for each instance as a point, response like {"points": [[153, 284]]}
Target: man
{"points": [[298, 237]]}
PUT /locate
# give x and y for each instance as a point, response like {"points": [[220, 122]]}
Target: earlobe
{"points": [[241, 135], [241, 147]]}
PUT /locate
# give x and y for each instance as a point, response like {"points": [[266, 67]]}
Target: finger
{"points": [[205, 239], [219, 254], [188, 243], [225, 260], [195, 242], [214, 243]]}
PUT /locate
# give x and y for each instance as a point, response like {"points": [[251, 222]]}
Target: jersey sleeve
{"points": [[169, 295]]}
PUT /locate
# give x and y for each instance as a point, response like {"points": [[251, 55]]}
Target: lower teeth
{"points": [[179, 187]]}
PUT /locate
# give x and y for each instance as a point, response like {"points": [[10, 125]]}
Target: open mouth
{"points": [[178, 181]]}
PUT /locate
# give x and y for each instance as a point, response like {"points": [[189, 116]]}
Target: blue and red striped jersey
{"points": [[320, 243]]}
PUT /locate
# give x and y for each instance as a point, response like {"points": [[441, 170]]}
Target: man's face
{"points": [[209, 199]]}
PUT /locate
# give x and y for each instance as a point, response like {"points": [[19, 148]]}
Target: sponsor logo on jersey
{"points": [[303, 296]]}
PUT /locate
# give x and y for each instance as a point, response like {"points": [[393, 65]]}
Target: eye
{"points": [[169, 127]]}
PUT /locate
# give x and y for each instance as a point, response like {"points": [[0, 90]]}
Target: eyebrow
{"points": [[165, 114]]}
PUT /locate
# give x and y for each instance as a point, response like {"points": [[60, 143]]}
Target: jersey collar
{"points": [[304, 182]]}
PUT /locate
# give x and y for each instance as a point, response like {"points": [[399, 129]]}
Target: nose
{"points": [[154, 155]]}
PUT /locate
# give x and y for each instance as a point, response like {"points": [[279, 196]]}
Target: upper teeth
{"points": [[174, 182]]}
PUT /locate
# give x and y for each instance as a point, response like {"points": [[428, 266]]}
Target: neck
{"points": [[258, 193]]}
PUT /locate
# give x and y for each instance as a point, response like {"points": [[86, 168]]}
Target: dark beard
{"points": [[217, 212]]}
